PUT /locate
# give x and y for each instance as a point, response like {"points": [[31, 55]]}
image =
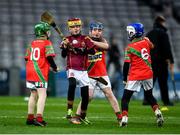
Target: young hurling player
{"points": [[39, 58], [99, 70], [137, 71], [76, 47]]}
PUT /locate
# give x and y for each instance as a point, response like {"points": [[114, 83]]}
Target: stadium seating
{"points": [[19, 16]]}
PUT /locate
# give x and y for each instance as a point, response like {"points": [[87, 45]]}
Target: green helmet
{"points": [[41, 28]]}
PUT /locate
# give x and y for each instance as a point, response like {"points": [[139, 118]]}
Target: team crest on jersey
{"points": [[74, 41], [96, 57]]}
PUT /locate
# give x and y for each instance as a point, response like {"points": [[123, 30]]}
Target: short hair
{"points": [[159, 19]]}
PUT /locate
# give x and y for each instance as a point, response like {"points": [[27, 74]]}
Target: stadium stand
{"points": [[19, 16]]}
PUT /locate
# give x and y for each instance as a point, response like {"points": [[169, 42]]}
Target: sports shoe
{"points": [[85, 121], [159, 117], [75, 120], [30, 122], [119, 121], [119, 118], [124, 121], [69, 114], [42, 124]]}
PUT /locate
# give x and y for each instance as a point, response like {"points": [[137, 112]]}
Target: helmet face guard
{"points": [[74, 22], [135, 30], [96, 25], [42, 29], [131, 32]]}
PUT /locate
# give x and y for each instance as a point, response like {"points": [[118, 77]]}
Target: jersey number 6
{"points": [[144, 54]]}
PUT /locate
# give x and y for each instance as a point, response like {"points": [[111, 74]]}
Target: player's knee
{"points": [[148, 93], [149, 96], [34, 94], [72, 87], [126, 97], [72, 82], [108, 93]]}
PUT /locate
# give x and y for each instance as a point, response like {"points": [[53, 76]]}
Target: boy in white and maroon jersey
{"points": [[77, 47]]}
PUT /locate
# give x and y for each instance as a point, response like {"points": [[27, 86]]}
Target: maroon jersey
{"points": [[78, 61]]}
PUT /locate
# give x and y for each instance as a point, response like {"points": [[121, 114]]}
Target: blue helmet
{"points": [[96, 25], [135, 30]]}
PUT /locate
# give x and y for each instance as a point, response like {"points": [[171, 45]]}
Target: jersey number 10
{"points": [[35, 54]]}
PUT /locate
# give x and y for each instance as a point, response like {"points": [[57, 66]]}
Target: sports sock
{"points": [[39, 117], [85, 97], [155, 107], [30, 116], [70, 105], [125, 113], [118, 115], [83, 115]]}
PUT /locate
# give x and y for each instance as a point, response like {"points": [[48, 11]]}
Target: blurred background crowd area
{"points": [[18, 18]]}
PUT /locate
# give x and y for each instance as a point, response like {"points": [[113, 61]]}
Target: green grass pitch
{"points": [[13, 112]]}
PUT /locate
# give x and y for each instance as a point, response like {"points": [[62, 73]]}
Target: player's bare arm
{"points": [[103, 45]]}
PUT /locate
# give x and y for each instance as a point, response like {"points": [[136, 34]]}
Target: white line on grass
{"points": [[91, 117], [50, 104]]}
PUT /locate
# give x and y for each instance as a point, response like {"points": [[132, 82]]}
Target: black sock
{"points": [[83, 115]]}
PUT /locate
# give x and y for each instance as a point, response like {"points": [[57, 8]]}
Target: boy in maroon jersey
{"points": [[77, 47], [137, 71], [39, 58]]}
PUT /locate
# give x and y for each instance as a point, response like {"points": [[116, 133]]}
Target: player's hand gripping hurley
{"points": [[48, 18]]}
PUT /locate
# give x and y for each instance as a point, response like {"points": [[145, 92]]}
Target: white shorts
{"points": [[80, 76], [94, 83], [36, 85], [136, 85]]}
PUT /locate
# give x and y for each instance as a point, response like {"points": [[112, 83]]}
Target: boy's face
{"points": [[96, 33], [75, 30]]}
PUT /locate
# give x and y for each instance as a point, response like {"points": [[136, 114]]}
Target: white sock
{"points": [[157, 111]]}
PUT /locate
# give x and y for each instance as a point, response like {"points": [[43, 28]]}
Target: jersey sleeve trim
{"points": [[49, 51], [27, 52]]}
